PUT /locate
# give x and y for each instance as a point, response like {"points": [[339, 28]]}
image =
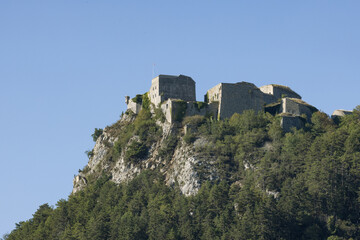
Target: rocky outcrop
{"points": [[185, 168]]}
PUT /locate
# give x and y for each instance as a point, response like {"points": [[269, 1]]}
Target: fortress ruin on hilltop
{"points": [[176, 97]]}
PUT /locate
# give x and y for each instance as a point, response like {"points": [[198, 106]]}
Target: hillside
{"points": [[200, 178]]}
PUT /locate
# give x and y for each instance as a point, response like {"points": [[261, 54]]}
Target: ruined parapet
{"points": [[164, 87], [237, 97], [297, 107], [279, 91], [133, 104]]}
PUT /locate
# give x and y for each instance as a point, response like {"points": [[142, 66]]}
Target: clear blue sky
{"points": [[65, 67]]}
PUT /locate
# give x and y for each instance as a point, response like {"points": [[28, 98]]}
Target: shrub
{"points": [[199, 105], [159, 115], [189, 137], [145, 101], [89, 153], [123, 138], [97, 133], [145, 127], [135, 151], [168, 146], [138, 98], [196, 120]]}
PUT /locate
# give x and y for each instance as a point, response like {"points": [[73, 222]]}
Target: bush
{"points": [[159, 115], [97, 133], [145, 101], [138, 98], [189, 137], [146, 128], [135, 151], [89, 153], [168, 147], [200, 105], [123, 138], [196, 120]]}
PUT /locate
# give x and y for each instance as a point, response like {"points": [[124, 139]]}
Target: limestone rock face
{"points": [[186, 168], [79, 183]]}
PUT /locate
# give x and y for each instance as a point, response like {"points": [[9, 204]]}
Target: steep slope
{"points": [[165, 150], [239, 178]]}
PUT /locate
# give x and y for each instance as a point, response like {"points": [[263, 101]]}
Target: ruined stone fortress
{"points": [[175, 95]]}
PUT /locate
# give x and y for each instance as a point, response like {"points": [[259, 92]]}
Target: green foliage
{"points": [[321, 123], [97, 133], [196, 120], [146, 101], [200, 105], [89, 153], [135, 151], [146, 128], [138, 98], [159, 115], [168, 147], [189, 137], [269, 185], [147, 131], [123, 138]]}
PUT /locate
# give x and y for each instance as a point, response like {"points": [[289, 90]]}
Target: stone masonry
{"points": [[164, 87], [237, 97], [175, 95], [279, 91]]}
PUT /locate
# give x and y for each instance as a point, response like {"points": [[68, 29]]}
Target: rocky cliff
{"points": [[179, 161]]}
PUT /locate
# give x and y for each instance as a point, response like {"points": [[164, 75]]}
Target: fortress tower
{"points": [[164, 87]]}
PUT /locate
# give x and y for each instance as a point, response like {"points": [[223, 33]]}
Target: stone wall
{"points": [[133, 106], [164, 87], [176, 110], [176, 97], [289, 122], [296, 107], [235, 98], [279, 91], [214, 94]]}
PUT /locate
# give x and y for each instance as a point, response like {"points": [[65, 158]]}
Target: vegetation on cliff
{"points": [[271, 185]]}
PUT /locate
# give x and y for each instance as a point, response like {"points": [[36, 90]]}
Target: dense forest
{"points": [[272, 185]]}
